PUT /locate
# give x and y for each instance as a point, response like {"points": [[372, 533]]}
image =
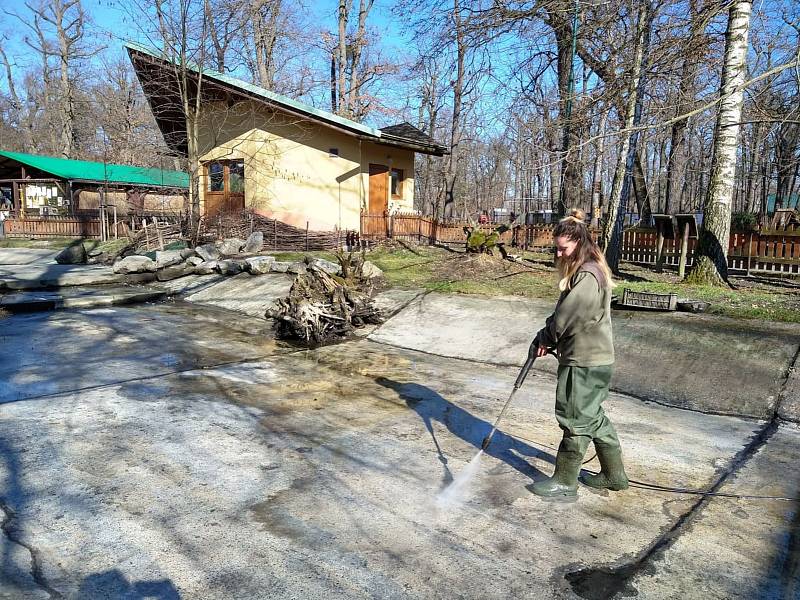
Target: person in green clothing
{"points": [[579, 333]]}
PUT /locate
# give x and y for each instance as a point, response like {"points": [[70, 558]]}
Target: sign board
{"points": [[665, 225], [687, 219]]}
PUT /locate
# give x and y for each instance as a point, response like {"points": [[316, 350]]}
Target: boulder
{"points": [[134, 264], [167, 258], [231, 247], [206, 267], [208, 252], [370, 271], [254, 243], [298, 268], [72, 255], [259, 265], [279, 267], [329, 267], [230, 267], [187, 253], [174, 272], [194, 260]]}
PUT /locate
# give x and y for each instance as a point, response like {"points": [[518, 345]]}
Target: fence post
{"points": [[684, 251], [306, 236]]}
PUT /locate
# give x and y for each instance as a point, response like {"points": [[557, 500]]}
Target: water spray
{"points": [[517, 384], [454, 493]]}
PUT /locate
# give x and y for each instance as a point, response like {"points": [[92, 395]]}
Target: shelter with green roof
{"points": [[33, 185]]}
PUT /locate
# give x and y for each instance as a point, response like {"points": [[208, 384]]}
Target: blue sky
{"points": [[112, 23]]}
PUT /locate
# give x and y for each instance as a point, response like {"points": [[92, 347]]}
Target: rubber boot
{"points": [[564, 481], [612, 473]]}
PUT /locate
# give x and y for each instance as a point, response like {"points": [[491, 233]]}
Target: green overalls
{"points": [[580, 331]]}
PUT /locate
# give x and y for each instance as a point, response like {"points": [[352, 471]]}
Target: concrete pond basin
{"points": [[177, 450]]}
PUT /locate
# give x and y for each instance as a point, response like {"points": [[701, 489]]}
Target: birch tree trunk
{"points": [[711, 258]]}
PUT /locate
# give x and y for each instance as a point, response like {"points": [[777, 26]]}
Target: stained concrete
{"points": [[756, 544], [700, 362], [52, 352], [26, 256], [249, 294], [312, 474], [78, 297]]}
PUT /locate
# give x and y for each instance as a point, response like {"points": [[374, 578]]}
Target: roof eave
{"points": [[387, 140]]}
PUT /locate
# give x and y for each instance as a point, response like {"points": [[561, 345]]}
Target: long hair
{"points": [[574, 228]]}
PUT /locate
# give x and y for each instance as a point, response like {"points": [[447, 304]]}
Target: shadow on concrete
{"points": [[430, 406], [113, 584]]}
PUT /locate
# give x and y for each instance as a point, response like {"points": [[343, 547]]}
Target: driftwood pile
{"points": [[321, 306]]}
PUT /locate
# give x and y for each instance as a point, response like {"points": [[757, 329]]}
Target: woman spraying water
{"points": [[579, 331]]}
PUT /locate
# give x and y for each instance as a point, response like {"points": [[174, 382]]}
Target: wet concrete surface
{"points": [[35, 269], [174, 451], [700, 362], [51, 352]]}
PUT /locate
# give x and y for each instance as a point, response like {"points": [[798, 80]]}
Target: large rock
{"points": [[187, 253], [231, 247], [259, 265], [134, 264], [279, 267], [194, 260], [167, 258], [298, 268], [174, 272], [254, 243], [72, 255], [207, 267], [230, 267], [208, 252], [370, 271], [329, 267]]}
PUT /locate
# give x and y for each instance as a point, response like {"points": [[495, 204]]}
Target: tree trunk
{"points": [[597, 172], [678, 152], [640, 192], [711, 259], [612, 232], [357, 47], [455, 131], [342, 58], [570, 183]]}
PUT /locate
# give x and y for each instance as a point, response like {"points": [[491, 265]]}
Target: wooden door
{"points": [[224, 187], [378, 189]]}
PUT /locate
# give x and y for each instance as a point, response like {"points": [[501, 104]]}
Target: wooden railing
{"points": [[765, 251]]}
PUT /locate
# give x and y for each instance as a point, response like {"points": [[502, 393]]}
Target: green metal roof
{"points": [[264, 93], [81, 170]]}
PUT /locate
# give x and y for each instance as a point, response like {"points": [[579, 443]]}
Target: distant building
{"points": [[279, 157], [33, 186]]}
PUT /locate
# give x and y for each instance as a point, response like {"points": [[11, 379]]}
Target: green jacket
{"points": [[580, 327]]}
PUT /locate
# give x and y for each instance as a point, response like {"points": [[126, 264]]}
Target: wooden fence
{"points": [[764, 251], [45, 227]]}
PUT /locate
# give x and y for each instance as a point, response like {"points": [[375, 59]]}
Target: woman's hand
{"points": [[542, 351]]}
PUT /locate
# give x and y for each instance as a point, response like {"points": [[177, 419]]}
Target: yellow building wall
{"points": [[290, 174]]}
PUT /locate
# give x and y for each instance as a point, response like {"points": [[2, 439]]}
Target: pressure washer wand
{"points": [[517, 384]]}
